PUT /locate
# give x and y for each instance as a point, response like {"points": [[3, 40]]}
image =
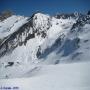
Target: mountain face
{"points": [[44, 39]]}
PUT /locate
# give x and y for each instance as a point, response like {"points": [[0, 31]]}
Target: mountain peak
{"points": [[44, 39], [41, 21]]}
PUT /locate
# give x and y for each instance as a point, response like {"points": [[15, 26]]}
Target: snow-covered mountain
{"points": [[26, 42]]}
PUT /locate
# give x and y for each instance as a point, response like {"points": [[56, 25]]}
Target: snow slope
{"points": [[10, 25], [74, 76], [44, 40], [28, 52]]}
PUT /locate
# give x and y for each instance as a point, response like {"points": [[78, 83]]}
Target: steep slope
{"points": [[45, 30], [42, 39], [10, 25]]}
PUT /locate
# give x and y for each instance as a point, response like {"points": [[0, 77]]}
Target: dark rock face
{"points": [[5, 14], [88, 12], [65, 16], [9, 64], [81, 21]]}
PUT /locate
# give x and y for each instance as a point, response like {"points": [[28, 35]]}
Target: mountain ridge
{"points": [[44, 39]]}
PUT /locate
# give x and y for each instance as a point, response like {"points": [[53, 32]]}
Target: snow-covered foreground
{"points": [[74, 76]]}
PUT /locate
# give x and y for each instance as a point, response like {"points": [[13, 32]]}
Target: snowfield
{"points": [[74, 76]]}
